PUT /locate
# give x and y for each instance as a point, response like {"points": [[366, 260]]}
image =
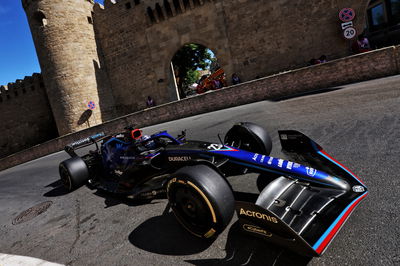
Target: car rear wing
{"points": [[70, 148]]}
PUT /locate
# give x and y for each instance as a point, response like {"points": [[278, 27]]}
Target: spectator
{"points": [[235, 79], [217, 84], [361, 45], [150, 102], [364, 44], [314, 62], [323, 59]]}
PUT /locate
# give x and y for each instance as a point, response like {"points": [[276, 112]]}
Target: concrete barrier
{"points": [[366, 66]]}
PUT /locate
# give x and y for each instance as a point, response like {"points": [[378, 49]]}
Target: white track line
{"points": [[15, 260]]}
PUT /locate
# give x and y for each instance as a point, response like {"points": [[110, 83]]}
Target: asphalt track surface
{"points": [[358, 124]]}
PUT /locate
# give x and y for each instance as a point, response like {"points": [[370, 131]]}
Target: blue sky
{"points": [[17, 52]]}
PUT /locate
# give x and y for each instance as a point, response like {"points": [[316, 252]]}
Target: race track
{"points": [[358, 124]]}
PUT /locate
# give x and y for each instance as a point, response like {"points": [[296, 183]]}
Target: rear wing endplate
{"points": [[70, 148]]}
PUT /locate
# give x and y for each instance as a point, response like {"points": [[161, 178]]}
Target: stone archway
{"points": [[223, 56], [195, 66]]}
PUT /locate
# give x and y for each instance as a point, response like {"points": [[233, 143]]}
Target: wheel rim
{"points": [[191, 209], [65, 178]]}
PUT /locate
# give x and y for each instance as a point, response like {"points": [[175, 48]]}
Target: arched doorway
{"points": [[196, 70]]}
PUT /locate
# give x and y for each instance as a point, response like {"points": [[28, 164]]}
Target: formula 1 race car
{"points": [[302, 206]]}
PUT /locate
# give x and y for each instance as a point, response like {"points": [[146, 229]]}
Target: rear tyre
{"points": [[201, 200], [249, 137], [73, 173]]}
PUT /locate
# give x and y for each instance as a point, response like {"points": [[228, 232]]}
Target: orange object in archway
{"points": [[209, 84]]}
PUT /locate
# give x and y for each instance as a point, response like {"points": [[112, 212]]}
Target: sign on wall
{"points": [[349, 33], [91, 105], [346, 15], [347, 24]]}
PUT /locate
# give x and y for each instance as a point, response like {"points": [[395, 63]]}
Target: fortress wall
{"points": [[138, 42], [25, 115], [120, 34], [280, 35], [67, 51], [123, 50], [199, 23], [335, 73], [249, 37]]}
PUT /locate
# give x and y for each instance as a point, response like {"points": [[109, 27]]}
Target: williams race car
{"points": [[302, 207]]}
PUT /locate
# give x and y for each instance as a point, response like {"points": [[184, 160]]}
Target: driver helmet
{"points": [[136, 134], [148, 144]]}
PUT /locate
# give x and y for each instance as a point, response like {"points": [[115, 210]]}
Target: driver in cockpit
{"points": [[142, 140]]}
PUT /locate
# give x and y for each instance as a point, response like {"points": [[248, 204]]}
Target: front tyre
{"points": [[201, 200], [249, 137], [73, 173]]}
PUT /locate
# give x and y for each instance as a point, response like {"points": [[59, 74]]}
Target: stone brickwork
{"points": [[335, 73], [118, 54], [26, 117], [65, 42], [249, 37]]}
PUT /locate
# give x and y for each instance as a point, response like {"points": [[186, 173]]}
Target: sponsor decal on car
{"points": [[296, 165], [215, 147], [311, 171], [262, 159], [179, 158], [358, 189], [220, 147], [127, 157], [255, 157], [270, 160], [258, 215], [289, 165], [257, 230]]}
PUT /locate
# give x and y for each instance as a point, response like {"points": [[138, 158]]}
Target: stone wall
{"points": [[25, 115], [375, 64], [118, 54], [266, 37], [65, 43], [250, 37]]}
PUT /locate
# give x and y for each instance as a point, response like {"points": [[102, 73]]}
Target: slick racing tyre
{"points": [[201, 200], [73, 173], [250, 137]]}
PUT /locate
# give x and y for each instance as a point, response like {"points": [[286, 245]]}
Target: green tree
{"points": [[186, 61], [192, 76]]}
